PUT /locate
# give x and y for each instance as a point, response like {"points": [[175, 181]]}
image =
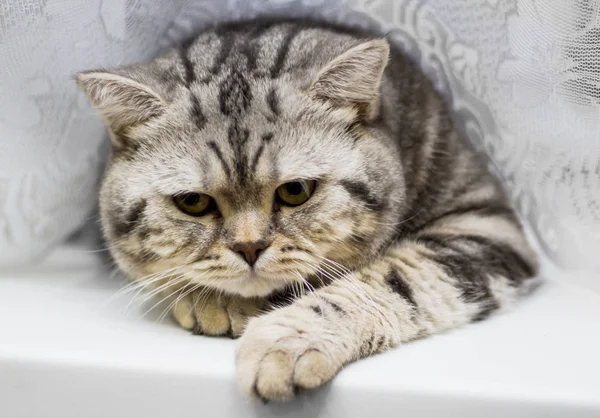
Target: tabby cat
{"points": [[308, 176]]}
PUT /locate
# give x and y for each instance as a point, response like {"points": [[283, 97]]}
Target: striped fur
{"points": [[406, 235]]}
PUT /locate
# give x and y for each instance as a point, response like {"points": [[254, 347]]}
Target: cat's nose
{"points": [[250, 250]]}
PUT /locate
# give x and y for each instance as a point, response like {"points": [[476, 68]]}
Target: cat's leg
{"points": [[208, 312], [457, 271]]}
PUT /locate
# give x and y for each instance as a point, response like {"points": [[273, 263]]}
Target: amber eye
{"points": [[295, 192], [194, 204]]}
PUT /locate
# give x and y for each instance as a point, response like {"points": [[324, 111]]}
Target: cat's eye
{"points": [[295, 192], [194, 204]]}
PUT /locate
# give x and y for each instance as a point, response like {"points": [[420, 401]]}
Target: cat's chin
{"points": [[251, 285]]}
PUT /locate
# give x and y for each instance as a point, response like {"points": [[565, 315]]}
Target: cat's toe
{"points": [[283, 367], [278, 355], [274, 379], [265, 368], [183, 312], [314, 369], [240, 311], [212, 319]]}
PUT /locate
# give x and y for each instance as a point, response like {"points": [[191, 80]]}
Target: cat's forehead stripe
{"points": [[283, 51], [227, 40], [196, 113], [215, 148], [273, 102], [189, 74], [257, 156]]}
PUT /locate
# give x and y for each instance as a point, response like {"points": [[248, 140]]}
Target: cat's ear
{"points": [[122, 101], [353, 78]]}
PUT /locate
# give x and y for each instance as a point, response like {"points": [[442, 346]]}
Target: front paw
{"points": [[206, 312], [289, 349]]}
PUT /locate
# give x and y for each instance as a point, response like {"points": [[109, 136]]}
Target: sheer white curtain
{"points": [[522, 75]]}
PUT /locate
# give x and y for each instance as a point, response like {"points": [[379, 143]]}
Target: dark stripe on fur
{"points": [[473, 266], [256, 158], [485, 311], [250, 48], [273, 102], [125, 224], [265, 138], [486, 208], [360, 191], [399, 286], [219, 155], [501, 258], [353, 131], [188, 67], [438, 169], [128, 149], [238, 137], [317, 309], [227, 42], [234, 94], [196, 112], [337, 308], [283, 51], [369, 345], [282, 298]]}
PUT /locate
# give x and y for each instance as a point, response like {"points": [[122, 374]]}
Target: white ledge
{"points": [[67, 351]]}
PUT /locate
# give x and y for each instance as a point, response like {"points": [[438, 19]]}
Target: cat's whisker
{"points": [[299, 288], [182, 295], [370, 306], [178, 282], [312, 291], [130, 287], [206, 291], [202, 297], [167, 309], [346, 281], [367, 301], [142, 284], [147, 278], [159, 277], [339, 267], [169, 295], [170, 282], [115, 271], [150, 280], [99, 250]]}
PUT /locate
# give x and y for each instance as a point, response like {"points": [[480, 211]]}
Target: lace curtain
{"points": [[522, 75]]}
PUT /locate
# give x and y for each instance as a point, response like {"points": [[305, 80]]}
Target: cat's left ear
{"points": [[353, 78], [122, 101]]}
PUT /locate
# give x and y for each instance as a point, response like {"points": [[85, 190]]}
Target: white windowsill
{"points": [[66, 351]]}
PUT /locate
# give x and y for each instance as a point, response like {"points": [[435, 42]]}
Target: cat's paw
{"points": [[287, 350], [217, 315]]}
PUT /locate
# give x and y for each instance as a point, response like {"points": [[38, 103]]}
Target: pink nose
{"points": [[250, 250]]}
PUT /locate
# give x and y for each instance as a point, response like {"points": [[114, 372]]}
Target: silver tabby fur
{"points": [[406, 235]]}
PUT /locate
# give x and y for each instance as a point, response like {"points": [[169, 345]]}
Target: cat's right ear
{"points": [[353, 78], [123, 102]]}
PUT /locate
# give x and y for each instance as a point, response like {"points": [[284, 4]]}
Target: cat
{"points": [[266, 157]]}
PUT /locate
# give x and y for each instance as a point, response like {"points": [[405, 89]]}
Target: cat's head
{"points": [[246, 183]]}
